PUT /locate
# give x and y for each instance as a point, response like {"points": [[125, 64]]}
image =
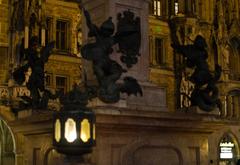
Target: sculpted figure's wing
{"points": [[46, 51], [19, 74], [131, 86]]}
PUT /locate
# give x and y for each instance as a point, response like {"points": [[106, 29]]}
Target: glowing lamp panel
{"points": [[85, 130], [94, 132], [57, 135], [70, 130]]}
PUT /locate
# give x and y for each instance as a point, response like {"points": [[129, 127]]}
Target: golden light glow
{"points": [[226, 144], [70, 130], [85, 130], [57, 130], [94, 133]]}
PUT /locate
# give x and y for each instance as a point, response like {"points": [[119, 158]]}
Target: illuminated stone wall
{"points": [[67, 63], [4, 19], [149, 129]]}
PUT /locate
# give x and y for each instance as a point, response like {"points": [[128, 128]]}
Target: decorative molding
{"points": [[127, 156]]}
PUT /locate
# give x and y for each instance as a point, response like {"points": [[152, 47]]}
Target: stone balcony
{"points": [[10, 97], [13, 92]]}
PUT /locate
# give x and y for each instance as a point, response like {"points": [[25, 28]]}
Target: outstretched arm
{"points": [[93, 30]]}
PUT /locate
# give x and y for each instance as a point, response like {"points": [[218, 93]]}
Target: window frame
{"points": [[58, 34], [66, 81], [159, 59], [160, 11]]}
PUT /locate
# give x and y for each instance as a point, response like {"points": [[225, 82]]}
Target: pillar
{"points": [[26, 37], [43, 31], [154, 98]]}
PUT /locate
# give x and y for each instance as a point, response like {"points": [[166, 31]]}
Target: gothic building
{"points": [[161, 127]]}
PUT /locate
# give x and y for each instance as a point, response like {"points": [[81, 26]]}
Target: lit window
{"points": [[227, 150], [176, 7], [61, 35], [157, 7]]}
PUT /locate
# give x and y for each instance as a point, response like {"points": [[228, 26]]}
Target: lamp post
{"points": [[74, 131]]}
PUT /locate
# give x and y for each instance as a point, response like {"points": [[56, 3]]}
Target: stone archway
{"points": [[142, 153], [7, 144], [7, 138]]}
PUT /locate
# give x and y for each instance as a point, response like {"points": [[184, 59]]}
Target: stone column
{"points": [[43, 31], [26, 37], [154, 98], [78, 160], [100, 10]]}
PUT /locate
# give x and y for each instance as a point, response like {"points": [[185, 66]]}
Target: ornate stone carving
{"points": [[129, 45], [140, 149], [37, 57], [108, 71], [205, 92]]}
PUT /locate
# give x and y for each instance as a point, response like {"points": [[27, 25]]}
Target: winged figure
{"points": [[108, 71], [205, 93], [36, 59]]}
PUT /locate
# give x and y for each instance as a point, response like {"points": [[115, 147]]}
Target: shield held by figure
{"points": [[128, 37]]}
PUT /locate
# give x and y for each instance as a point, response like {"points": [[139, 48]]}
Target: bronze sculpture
{"points": [[108, 71], [36, 59], [205, 92]]}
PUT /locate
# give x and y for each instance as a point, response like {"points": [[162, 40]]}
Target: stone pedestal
{"points": [[78, 160], [154, 98], [197, 110]]}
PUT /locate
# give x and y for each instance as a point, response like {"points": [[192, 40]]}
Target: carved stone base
{"points": [[78, 160], [96, 102], [197, 110], [24, 113], [153, 99]]}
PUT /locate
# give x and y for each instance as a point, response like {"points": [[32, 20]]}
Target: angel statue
{"points": [[36, 58], [205, 93], [108, 71]]}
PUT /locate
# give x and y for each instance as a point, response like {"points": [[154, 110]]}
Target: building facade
{"points": [[158, 128]]}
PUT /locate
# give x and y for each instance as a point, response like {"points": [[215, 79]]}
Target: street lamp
{"points": [[74, 125], [74, 131]]}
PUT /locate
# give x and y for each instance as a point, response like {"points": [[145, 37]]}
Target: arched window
{"points": [[7, 155], [228, 150]]}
